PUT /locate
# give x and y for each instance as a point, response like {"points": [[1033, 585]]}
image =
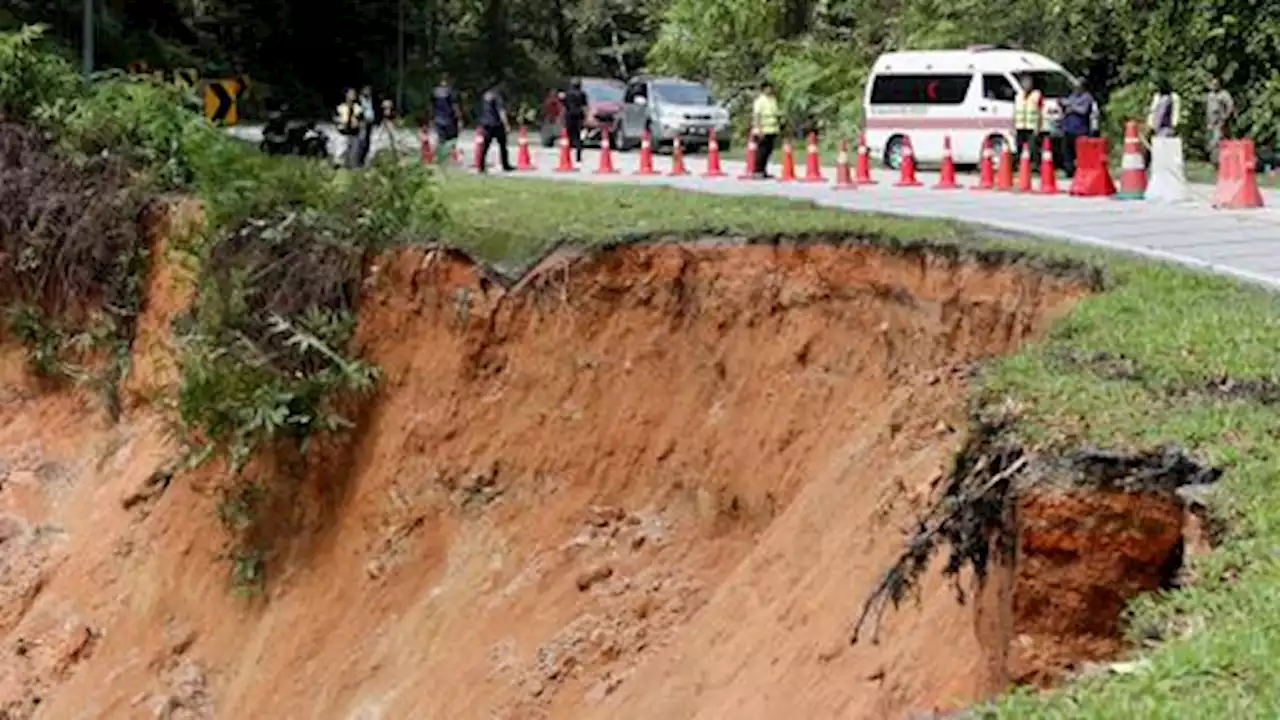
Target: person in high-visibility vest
{"points": [[1166, 110], [1028, 118], [766, 125]]}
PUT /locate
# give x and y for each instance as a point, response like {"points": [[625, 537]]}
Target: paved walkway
{"points": [[1244, 244]]}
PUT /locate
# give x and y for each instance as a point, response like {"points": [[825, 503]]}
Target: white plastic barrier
{"points": [[1168, 183]]}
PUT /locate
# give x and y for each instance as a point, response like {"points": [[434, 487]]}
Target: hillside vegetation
{"points": [[275, 260], [817, 51]]}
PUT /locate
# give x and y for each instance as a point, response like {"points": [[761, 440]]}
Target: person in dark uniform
{"points": [[447, 119], [574, 103], [493, 119]]}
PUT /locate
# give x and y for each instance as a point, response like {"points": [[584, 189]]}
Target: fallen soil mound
{"points": [[650, 481]]}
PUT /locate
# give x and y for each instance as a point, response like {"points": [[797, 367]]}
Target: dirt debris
{"points": [[696, 428]]}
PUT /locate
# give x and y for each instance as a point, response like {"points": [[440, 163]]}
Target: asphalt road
{"points": [[1241, 243]]}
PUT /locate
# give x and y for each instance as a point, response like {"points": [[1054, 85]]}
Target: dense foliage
{"points": [[817, 50]]}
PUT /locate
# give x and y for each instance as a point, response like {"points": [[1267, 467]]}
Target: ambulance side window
{"points": [[920, 89], [998, 87]]}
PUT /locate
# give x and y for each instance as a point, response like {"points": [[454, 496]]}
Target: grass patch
{"points": [[512, 220], [1127, 369], [1174, 331]]}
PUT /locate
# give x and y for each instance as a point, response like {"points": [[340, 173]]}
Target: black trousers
{"points": [[764, 149], [1032, 140], [498, 134], [1069, 152], [573, 127]]}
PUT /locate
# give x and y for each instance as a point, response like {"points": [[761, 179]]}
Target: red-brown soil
{"points": [[653, 482], [1082, 555]]}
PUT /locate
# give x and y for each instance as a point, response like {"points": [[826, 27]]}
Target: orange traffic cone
{"points": [[646, 154], [788, 162], [844, 176], [524, 161], [1237, 187], [752, 149], [713, 159], [478, 149], [1133, 170], [1048, 174], [1004, 178], [1024, 169], [987, 173], [677, 159], [812, 161], [947, 176], [566, 158], [986, 168], [424, 146], [606, 157], [863, 176], [907, 176]]}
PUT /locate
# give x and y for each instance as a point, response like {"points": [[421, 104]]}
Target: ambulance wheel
{"points": [[893, 152]]}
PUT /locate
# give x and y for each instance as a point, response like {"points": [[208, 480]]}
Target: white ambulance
{"points": [[965, 94]]}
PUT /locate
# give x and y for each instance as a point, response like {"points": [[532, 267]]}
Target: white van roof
{"points": [[978, 58]]}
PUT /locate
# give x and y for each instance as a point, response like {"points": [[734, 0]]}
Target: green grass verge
{"points": [[512, 220], [1171, 329]]}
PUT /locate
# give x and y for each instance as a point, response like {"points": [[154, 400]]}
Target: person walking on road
{"points": [[387, 126], [1028, 119], [1078, 117], [766, 125], [1219, 107], [493, 121], [573, 105], [447, 118], [369, 113], [351, 123]]}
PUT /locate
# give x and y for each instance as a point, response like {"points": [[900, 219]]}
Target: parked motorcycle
{"points": [[284, 136]]}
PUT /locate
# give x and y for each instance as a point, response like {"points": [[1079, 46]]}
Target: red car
{"points": [[604, 110]]}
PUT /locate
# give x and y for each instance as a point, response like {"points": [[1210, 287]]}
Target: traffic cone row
{"points": [[1239, 182]]}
